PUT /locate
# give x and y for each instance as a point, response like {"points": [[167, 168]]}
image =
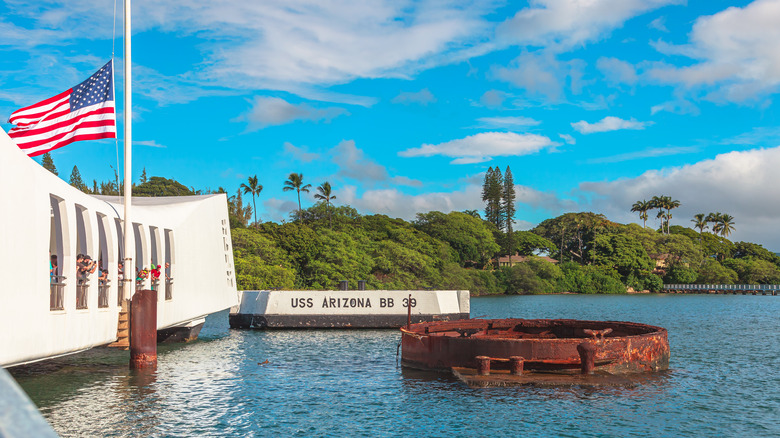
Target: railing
{"points": [[82, 293], [120, 293], [169, 288], [775, 288], [103, 288], [56, 294]]}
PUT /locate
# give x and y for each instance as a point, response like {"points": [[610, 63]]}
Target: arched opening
{"points": [[154, 237], [120, 266], [105, 259], [57, 244], [85, 264], [170, 264], [141, 254]]}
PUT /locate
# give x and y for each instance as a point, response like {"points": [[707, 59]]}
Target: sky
{"points": [[403, 105]]}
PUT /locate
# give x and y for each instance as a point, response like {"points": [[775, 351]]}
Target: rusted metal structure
{"points": [[515, 347], [143, 329]]}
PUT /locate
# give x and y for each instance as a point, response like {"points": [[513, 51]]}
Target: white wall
{"points": [[204, 281]]}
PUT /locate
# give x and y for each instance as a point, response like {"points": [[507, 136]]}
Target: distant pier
{"points": [[724, 289]]}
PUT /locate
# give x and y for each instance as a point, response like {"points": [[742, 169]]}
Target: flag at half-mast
{"points": [[84, 112]]}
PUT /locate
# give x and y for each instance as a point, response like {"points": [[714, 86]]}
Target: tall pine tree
{"points": [[491, 195], [76, 181], [48, 163], [508, 210]]}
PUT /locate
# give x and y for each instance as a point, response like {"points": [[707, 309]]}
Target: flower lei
{"points": [[153, 271]]}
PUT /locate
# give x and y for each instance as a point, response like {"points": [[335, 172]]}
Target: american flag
{"points": [[84, 112]]}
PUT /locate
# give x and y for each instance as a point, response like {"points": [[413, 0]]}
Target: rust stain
{"points": [[550, 345]]}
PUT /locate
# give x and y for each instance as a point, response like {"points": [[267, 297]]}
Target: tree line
{"points": [[588, 253]]}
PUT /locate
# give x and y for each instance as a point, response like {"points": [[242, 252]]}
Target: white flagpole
{"points": [[129, 269]]}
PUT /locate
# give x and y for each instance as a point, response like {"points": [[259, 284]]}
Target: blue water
{"points": [[724, 381]]}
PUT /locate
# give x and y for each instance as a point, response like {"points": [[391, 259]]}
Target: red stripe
{"points": [[75, 138], [86, 124], [22, 126], [41, 103], [43, 116], [36, 131]]}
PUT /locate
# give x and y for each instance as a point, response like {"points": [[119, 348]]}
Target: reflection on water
{"points": [[723, 381]]}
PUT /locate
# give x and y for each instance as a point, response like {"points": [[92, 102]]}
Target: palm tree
{"points": [[715, 219], [254, 188], [670, 205], [664, 203], [658, 202], [726, 224], [699, 221], [325, 194], [295, 182], [642, 207]]}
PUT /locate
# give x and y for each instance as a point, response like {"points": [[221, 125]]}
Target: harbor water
{"points": [[724, 380]]}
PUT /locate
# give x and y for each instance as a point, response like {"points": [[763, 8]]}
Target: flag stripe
{"points": [[40, 106], [62, 107], [46, 148], [64, 121], [64, 131]]}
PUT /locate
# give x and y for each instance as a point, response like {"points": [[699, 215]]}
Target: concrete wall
{"points": [[204, 281]]}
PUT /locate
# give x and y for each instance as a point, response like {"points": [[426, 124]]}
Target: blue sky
{"points": [[402, 106]]}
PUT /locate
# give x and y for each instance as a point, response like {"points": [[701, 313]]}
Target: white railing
{"points": [[56, 295]]}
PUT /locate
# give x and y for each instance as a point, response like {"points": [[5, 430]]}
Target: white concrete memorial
{"points": [[348, 309]]}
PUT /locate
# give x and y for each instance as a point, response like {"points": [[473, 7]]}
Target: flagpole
{"points": [[129, 269]]}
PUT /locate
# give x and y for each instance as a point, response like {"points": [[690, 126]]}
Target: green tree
{"points": [[237, 213], [622, 253], [700, 222], [48, 163], [470, 237], [508, 197], [529, 243], [726, 224], [642, 207], [326, 194], [254, 187], [144, 179], [492, 189], [574, 231], [747, 249], [76, 181], [159, 186], [295, 182], [713, 272]]}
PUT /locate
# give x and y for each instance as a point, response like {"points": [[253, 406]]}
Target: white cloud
{"points": [[742, 184], [659, 24], [149, 143], [270, 111], [607, 124], [678, 106], [300, 153], [568, 138], [422, 97], [617, 71], [493, 98], [396, 203], [565, 24], [647, 153], [538, 73], [508, 122], [299, 46], [354, 164], [481, 147], [737, 53]]}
